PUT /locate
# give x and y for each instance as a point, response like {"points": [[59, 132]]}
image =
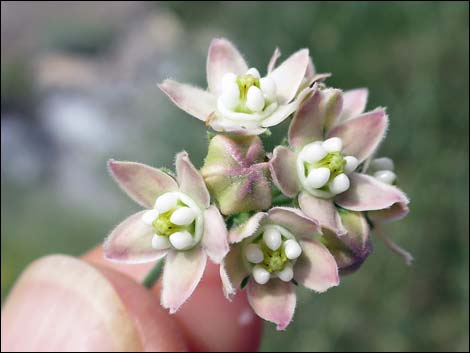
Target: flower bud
{"points": [[236, 173]]}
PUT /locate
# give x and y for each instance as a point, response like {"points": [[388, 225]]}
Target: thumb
{"points": [[64, 304]]}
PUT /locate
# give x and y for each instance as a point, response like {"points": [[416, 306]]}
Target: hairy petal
{"points": [[182, 273], [190, 180], [131, 242], [322, 210], [274, 301], [367, 193], [354, 103], [223, 57], [294, 220], [232, 271], [282, 166], [215, 238], [316, 268], [141, 182], [193, 100], [362, 135], [289, 75], [248, 228]]}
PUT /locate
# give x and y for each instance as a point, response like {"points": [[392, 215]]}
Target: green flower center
{"points": [[164, 227], [273, 260], [334, 161], [244, 83]]}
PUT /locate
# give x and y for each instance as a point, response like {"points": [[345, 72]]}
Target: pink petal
{"points": [[367, 193], [322, 210], [289, 75], [282, 165], [131, 242], [141, 182], [182, 273], [394, 213], [310, 72], [316, 268], [307, 125], [284, 111], [361, 136], [354, 103], [193, 100], [317, 114], [274, 301], [294, 221], [190, 180], [232, 271], [215, 237], [273, 60], [222, 58], [246, 229]]}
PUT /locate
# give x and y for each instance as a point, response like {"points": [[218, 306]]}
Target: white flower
{"points": [[238, 99], [323, 170]]}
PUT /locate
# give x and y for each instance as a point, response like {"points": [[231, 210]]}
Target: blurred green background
{"points": [[78, 87]]}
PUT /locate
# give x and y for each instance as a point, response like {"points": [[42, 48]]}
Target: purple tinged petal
{"points": [[274, 301], [316, 268], [289, 75], [273, 60], [317, 114], [141, 182], [362, 135], [190, 180], [215, 237], [294, 220], [317, 78], [307, 125], [395, 212], [232, 271], [322, 210], [131, 242], [282, 165], [367, 193], [354, 103], [247, 229], [193, 100], [223, 57], [351, 249], [182, 273]]}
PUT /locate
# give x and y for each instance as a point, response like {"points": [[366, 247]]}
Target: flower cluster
{"points": [[301, 214]]}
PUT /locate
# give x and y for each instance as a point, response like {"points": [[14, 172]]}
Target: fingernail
{"points": [[63, 304]]}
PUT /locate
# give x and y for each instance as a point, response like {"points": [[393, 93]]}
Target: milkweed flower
{"points": [[238, 98], [271, 251], [179, 224], [329, 137]]}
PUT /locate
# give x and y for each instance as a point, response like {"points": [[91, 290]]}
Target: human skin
{"points": [[61, 303]]}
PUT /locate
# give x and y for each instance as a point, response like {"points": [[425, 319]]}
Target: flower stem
{"points": [[154, 274]]}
